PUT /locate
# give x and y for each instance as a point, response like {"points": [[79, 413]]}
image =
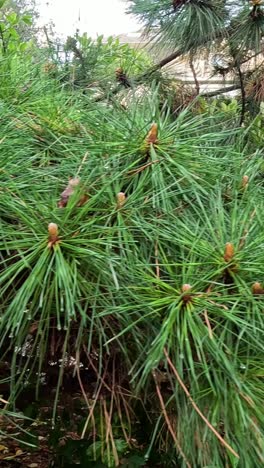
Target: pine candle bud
{"points": [[185, 289], [229, 251], [152, 136], [53, 232], [121, 199], [73, 183], [119, 73], [257, 288], [245, 180]]}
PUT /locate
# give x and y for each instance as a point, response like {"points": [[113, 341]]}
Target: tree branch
{"points": [[197, 85], [221, 91], [243, 94], [178, 53]]}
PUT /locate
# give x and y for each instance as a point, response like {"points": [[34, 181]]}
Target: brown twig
{"points": [[82, 163], [4, 401], [112, 399], [226, 89], [119, 412], [77, 368], [197, 85], [187, 393], [167, 419], [96, 371], [110, 432], [49, 41], [210, 331], [142, 168], [222, 306], [90, 415]]}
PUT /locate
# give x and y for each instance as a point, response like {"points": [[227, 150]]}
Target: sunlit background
{"points": [[107, 17]]}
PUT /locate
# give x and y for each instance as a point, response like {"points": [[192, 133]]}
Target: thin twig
{"points": [[222, 306], [119, 412], [208, 324], [209, 425], [95, 370], [49, 41], [110, 432], [77, 368], [167, 419], [142, 168], [90, 415], [112, 399], [4, 401], [197, 85], [82, 163]]}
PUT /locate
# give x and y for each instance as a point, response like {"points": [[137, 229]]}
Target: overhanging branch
{"points": [[224, 90]]}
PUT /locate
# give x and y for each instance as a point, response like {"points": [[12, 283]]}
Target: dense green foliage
{"points": [[95, 61], [192, 24], [131, 268]]}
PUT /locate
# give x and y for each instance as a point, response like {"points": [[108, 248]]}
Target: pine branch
{"points": [[243, 94], [197, 85], [220, 91]]}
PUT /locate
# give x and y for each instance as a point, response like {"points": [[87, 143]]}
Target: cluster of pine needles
{"points": [[132, 245]]}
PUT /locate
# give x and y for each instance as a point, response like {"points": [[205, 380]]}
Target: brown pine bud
{"points": [[53, 234], [245, 180], [73, 183], [84, 199], [152, 136], [185, 289], [53, 229], [229, 251], [121, 199], [121, 77], [257, 289], [119, 71]]}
